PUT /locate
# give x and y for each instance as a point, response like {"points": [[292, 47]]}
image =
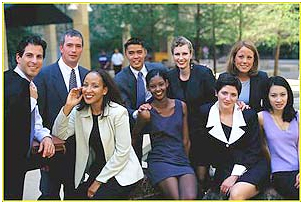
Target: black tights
{"points": [[183, 187]]}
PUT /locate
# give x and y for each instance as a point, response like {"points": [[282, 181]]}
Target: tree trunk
{"points": [[214, 38], [277, 54], [240, 21], [198, 29]]}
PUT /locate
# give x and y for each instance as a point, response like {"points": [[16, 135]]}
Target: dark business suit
{"points": [[257, 89], [243, 146], [17, 124], [52, 94], [127, 84]]}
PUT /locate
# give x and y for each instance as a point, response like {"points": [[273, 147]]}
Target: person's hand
{"points": [[74, 97], [144, 107], [93, 189], [47, 146], [242, 105], [33, 91], [144, 115], [227, 184], [297, 184]]}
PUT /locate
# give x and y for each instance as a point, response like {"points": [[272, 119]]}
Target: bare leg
{"points": [[169, 187], [188, 187], [242, 191]]}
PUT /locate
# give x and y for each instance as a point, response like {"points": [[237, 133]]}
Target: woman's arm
{"points": [[64, 125], [186, 140], [142, 120], [264, 145]]}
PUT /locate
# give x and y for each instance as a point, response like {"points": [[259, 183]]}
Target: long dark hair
{"points": [[289, 112], [113, 93]]}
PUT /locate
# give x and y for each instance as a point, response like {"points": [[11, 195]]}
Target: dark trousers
{"points": [[111, 190], [117, 68], [61, 171], [13, 183], [284, 182], [138, 147], [15, 168]]}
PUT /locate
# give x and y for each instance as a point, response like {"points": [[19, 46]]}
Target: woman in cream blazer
{"points": [[106, 165]]}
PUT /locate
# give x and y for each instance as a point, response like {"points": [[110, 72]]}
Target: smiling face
{"points": [[135, 55], [158, 86], [31, 61], [244, 60], [278, 97], [93, 89], [227, 97], [71, 50], [182, 56]]}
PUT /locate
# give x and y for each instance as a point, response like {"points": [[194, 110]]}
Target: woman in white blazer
{"points": [[106, 165]]}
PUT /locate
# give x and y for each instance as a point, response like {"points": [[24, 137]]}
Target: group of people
{"points": [[195, 122], [116, 61]]}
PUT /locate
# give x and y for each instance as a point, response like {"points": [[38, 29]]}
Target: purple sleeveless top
{"points": [[282, 144]]}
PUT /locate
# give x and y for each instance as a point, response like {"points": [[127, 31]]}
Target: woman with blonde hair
{"points": [[243, 62]]}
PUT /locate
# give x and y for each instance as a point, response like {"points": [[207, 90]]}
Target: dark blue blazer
{"points": [[257, 89], [245, 146], [127, 85], [52, 92]]}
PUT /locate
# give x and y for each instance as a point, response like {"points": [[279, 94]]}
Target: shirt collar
{"points": [[21, 73], [65, 68], [143, 70]]}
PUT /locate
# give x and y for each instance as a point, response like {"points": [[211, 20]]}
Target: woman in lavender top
{"points": [[280, 123]]}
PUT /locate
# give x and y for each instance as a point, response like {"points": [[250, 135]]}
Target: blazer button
{"points": [[227, 145]]}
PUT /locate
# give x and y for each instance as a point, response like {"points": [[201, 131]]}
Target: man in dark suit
{"points": [[54, 83], [22, 121], [127, 79]]}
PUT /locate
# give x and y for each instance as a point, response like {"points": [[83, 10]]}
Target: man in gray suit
{"points": [[127, 78], [54, 82]]}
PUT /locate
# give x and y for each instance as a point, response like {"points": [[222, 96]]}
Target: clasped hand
{"points": [[47, 146]]}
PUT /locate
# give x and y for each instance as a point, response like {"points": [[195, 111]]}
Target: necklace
{"points": [[282, 125]]}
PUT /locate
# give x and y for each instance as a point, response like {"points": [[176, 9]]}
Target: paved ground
{"points": [[288, 69]]}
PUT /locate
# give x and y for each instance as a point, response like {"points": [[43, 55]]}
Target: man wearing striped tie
{"points": [[132, 84], [22, 121], [54, 83]]}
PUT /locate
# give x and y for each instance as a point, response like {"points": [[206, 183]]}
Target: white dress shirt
{"points": [[66, 71], [40, 131]]}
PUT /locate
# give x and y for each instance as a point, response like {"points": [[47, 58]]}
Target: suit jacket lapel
{"points": [[87, 121], [214, 121], [238, 121], [58, 82], [82, 74], [217, 131], [253, 93]]}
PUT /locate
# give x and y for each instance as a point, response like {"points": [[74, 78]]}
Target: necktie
{"points": [[140, 90], [32, 134], [72, 80]]}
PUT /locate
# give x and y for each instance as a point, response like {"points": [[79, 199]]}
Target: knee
{"points": [[189, 196], [236, 194]]}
